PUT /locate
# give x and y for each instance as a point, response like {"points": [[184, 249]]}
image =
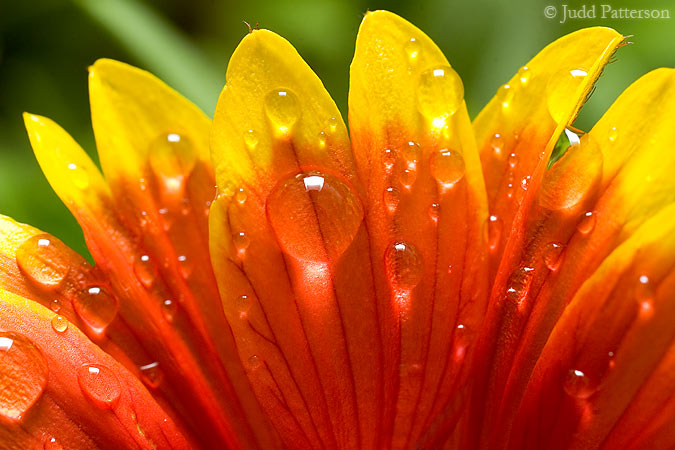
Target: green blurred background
{"points": [[46, 46]]}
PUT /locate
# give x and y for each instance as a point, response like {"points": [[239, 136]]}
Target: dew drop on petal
{"points": [[78, 176], [52, 444], [587, 223], [169, 308], [23, 375], [145, 270], [172, 157], [251, 139], [404, 265], [59, 324], [240, 241], [314, 215], [391, 198], [512, 160], [644, 295], [447, 166], [243, 305], [407, 177], [440, 93], [55, 305], [240, 196], [434, 210], [42, 259], [321, 140], [613, 134], [100, 385], [553, 255], [96, 307], [332, 124], [411, 154], [505, 97], [184, 266], [412, 50], [494, 232], [151, 375], [577, 384], [254, 362], [524, 75], [283, 110], [560, 88], [388, 160], [498, 144]]}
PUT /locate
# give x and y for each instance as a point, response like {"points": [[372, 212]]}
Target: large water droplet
{"points": [[315, 215], [283, 110], [172, 157], [100, 385], [23, 375], [440, 93], [42, 259], [96, 307], [553, 255], [575, 177], [577, 384], [151, 375], [561, 92], [59, 324], [447, 166], [404, 265]]}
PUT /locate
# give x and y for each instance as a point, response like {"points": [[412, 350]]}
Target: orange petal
{"points": [[290, 249], [588, 203], [61, 391], [147, 232], [426, 214]]}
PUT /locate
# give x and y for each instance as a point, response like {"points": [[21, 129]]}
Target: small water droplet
{"points": [[513, 160], [251, 139], [333, 124], [505, 96], [440, 93], [447, 166], [391, 198], [644, 294], [283, 110], [254, 362], [434, 210], [242, 304], [321, 140], [55, 305], [145, 270], [562, 87], [314, 215], [613, 134], [23, 375], [587, 223], [42, 259], [169, 309], [411, 154], [241, 242], [184, 266], [524, 75], [78, 176], [52, 444], [96, 307], [172, 157], [240, 196], [100, 385], [412, 50], [577, 384], [407, 177], [494, 232], [59, 324], [498, 144], [388, 160], [525, 182], [553, 253], [151, 375], [404, 265], [518, 285]]}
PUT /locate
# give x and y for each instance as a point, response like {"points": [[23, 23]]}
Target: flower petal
{"points": [[147, 232], [290, 249], [612, 187], [426, 216], [61, 390], [517, 129]]}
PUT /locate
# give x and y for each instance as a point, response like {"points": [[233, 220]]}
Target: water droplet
{"points": [[254, 362], [184, 266], [241, 242], [242, 304], [100, 385], [240, 196], [505, 96], [333, 124], [434, 210], [613, 134], [404, 265], [525, 182], [447, 166], [560, 90], [587, 223], [388, 160], [411, 154], [440, 93], [321, 140], [577, 384], [524, 75], [494, 232], [412, 50], [96, 307], [283, 110], [574, 178], [315, 216], [513, 160], [23, 375], [151, 375], [644, 294], [145, 270], [553, 255], [52, 444], [42, 259], [498, 144], [251, 139], [518, 285], [59, 324], [172, 157], [55, 305], [391, 198], [169, 308], [78, 176], [407, 177]]}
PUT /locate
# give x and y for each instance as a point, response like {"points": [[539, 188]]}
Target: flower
{"points": [[421, 282]]}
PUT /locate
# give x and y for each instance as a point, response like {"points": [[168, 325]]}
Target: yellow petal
{"points": [[517, 129], [426, 214]]}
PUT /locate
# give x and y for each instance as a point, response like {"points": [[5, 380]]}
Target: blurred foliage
{"points": [[46, 46]]}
